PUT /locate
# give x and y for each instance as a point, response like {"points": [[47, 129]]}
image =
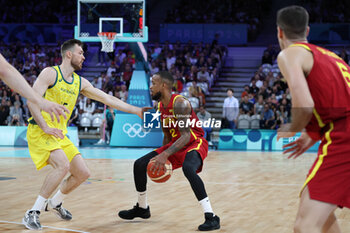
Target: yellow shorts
{"points": [[41, 144]]}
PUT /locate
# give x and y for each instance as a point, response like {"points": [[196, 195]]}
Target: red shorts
{"points": [[328, 178], [177, 159]]}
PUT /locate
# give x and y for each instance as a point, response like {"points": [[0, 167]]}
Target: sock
{"points": [[142, 199], [39, 203], [205, 203], [58, 198]]}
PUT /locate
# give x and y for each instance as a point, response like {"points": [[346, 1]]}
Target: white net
{"points": [[107, 40]]}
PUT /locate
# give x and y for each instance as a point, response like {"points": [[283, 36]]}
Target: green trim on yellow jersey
{"points": [[55, 80], [64, 78]]}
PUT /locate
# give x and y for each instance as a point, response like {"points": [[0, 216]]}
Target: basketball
{"points": [[163, 175]]}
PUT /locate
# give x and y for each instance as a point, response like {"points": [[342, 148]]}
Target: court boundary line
{"points": [[55, 228]]}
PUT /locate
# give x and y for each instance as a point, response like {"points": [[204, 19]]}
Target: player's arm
{"points": [[182, 111], [294, 62], [167, 136], [93, 93], [46, 78], [15, 80]]}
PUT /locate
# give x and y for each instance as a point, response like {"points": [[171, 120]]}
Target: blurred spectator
{"points": [[97, 82], [246, 107], [126, 75], [108, 123], [267, 58], [259, 106], [203, 115], [246, 91], [267, 118], [89, 106], [17, 111], [196, 91], [253, 88], [74, 119], [251, 98], [203, 76], [153, 68], [230, 109], [170, 60], [15, 121], [112, 68], [123, 93], [4, 112], [178, 83]]}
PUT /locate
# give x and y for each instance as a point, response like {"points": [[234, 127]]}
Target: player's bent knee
{"points": [[140, 164], [188, 169], [85, 174], [64, 168], [302, 226]]}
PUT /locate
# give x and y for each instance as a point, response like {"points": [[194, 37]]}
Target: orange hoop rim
{"points": [[108, 35]]}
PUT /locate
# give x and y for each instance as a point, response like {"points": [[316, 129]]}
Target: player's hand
{"points": [[285, 131], [159, 163], [54, 109], [54, 132], [144, 109], [299, 146]]}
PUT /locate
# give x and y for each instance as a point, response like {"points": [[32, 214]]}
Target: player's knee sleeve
{"points": [[140, 164], [188, 169], [191, 164]]}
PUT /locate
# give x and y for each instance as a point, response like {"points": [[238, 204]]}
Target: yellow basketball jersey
{"points": [[64, 93]]}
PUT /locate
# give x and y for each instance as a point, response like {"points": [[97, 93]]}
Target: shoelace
{"points": [[62, 210], [35, 216]]}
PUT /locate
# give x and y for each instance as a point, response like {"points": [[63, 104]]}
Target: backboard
{"points": [[125, 17]]}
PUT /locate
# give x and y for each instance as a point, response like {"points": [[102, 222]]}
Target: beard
{"points": [[157, 96], [75, 65]]}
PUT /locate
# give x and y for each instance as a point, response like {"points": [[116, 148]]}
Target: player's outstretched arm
{"points": [[182, 111], [96, 94], [294, 63], [46, 78], [15, 80]]}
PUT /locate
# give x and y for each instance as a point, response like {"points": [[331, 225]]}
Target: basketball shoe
{"points": [[135, 212], [31, 220], [211, 222], [59, 210]]}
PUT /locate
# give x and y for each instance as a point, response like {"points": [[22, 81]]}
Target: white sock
{"points": [[142, 199], [58, 198], [205, 203], [39, 203]]}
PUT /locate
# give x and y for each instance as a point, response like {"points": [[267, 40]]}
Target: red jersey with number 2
{"points": [[169, 122]]}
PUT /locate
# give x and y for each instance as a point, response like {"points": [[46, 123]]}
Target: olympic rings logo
{"points": [[135, 130]]}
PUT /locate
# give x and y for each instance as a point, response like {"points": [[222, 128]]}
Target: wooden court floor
{"points": [[252, 192]]}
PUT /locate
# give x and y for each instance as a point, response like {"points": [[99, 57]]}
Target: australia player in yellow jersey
{"points": [[47, 140]]}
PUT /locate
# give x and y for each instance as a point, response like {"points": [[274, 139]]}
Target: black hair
{"points": [[293, 20], [166, 77]]}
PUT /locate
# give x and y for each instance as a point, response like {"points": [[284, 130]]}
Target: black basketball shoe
{"points": [[211, 222], [135, 212]]}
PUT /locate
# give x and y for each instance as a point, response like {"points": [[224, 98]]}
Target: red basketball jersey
{"points": [[329, 84], [170, 123]]}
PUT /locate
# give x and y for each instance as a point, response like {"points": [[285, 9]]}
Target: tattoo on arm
{"points": [[182, 111]]}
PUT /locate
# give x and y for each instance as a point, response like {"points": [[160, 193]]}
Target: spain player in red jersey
{"points": [[319, 83], [184, 147]]}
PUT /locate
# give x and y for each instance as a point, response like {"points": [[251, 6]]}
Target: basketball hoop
{"points": [[107, 40]]}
